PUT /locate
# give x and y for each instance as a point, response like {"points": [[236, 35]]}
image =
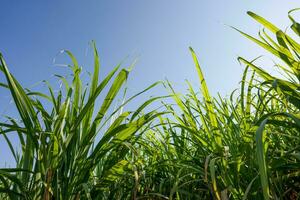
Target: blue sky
{"points": [[157, 32]]}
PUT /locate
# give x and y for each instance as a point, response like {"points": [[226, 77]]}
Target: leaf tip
{"points": [[250, 13], [191, 49]]}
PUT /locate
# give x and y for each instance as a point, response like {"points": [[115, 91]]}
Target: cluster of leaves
{"points": [[61, 157], [246, 146]]}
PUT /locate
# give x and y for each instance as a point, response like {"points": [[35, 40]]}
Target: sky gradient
{"points": [[157, 32]]}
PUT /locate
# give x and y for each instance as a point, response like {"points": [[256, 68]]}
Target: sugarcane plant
{"points": [[278, 151], [61, 154], [195, 146], [242, 147]]}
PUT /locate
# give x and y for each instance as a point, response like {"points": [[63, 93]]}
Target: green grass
{"points": [[196, 146]]}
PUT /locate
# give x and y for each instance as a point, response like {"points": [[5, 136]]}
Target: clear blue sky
{"points": [[158, 32]]}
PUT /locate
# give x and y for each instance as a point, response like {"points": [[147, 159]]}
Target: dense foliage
{"points": [[246, 146]]}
